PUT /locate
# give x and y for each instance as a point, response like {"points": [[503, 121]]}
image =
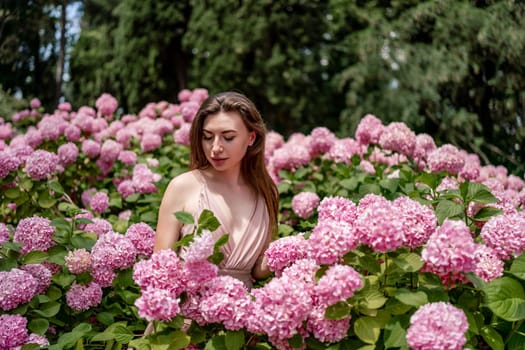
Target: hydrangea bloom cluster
{"points": [[437, 325], [505, 234], [41, 164], [488, 265], [157, 304], [369, 130], [4, 233], [304, 204], [41, 274], [200, 249], [331, 240], [16, 287], [326, 330], [99, 202], [446, 158], [113, 251], [98, 226], [106, 104], [78, 261], [343, 149], [285, 251], [398, 137], [13, 331], [143, 238], [338, 283], [82, 297], [36, 233], [321, 141], [67, 153]]}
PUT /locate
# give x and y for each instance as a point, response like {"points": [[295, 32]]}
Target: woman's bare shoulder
{"points": [[186, 182]]}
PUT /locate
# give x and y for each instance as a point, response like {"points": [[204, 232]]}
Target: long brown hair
{"points": [[253, 166]]}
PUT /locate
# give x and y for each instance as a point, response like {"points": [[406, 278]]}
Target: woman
{"points": [[227, 176]]}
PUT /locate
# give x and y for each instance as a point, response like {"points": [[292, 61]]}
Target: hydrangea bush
{"points": [[386, 240]]}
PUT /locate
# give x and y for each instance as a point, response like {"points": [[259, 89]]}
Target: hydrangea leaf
{"points": [[518, 267], [367, 329], [208, 221], [411, 298], [493, 338], [505, 297], [184, 217]]}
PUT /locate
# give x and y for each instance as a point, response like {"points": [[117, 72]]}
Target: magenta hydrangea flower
{"points": [[181, 136], [98, 226], [99, 202], [304, 204], [127, 157], [325, 330], [8, 162], [285, 251], [398, 137], [103, 276], [78, 261], [419, 221], [505, 234], [157, 304], [4, 233], [16, 287], [110, 150], [67, 153], [189, 110], [126, 188], [369, 130], [337, 208], [13, 331], [331, 240], [322, 139], [337, 284], [82, 297], [36, 233], [225, 300], [164, 270], [450, 250], [488, 265], [90, 148], [38, 340], [106, 104], [41, 164], [438, 325], [41, 274], [446, 158], [196, 274], [200, 249], [113, 251], [72, 133], [143, 238]]}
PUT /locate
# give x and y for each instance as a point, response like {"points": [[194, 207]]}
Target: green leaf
{"points": [[366, 188], [477, 192], [485, 213], [106, 318], [55, 186], [172, 341], [63, 279], [69, 339], [367, 329], [139, 344], [296, 341], [49, 309], [34, 257], [505, 297], [185, 217], [395, 334], [184, 241], [350, 183], [337, 311], [389, 184], [30, 346], [518, 267], [216, 343], [53, 293], [447, 209], [122, 334], [492, 337], [409, 262], [208, 221], [38, 325], [234, 340], [46, 201], [429, 179], [407, 297], [375, 299], [12, 193]]}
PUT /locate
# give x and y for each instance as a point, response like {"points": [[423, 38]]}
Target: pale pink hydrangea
{"points": [[16, 287], [446, 158], [67, 153], [448, 183], [302, 270], [4, 233], [126, 215], [113, 251], [488, 265], [106, 104], [304, 204], [82, 297], [343, 150], [37, 339], [181, 136], [189, 110], [337, 208], [438, 325], [184, 95], [200, 249], [338, 283], [331, 240], [150, 142], [450, 250], [285, 251], [64, 106], [127, 157], [90, 148], [143, 179], [419, 221], [143, 238], [164, 270], [99, 203], [367, 167], [290, 157], [515, 183], [41, 164], [103, 276], [157, 304], [35, 103], [273, 141], [225, 300], [51, 127], [126, 188], [13, 331], [86, 195], [41, 274], [398, 137], [505, 234], [36, 233], [110, 150], [472, 167], [98, 226], [6, 131], [424, 145], [8, 162], [325, 330], [321, 141], [124, 136], [199, 95], [369, 130], [78, 261]]}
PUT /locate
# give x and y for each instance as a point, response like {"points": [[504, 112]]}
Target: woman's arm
{"points": [[260, 269]]}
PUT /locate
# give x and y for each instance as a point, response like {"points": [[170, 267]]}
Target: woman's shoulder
{"points": [[187, 180]]}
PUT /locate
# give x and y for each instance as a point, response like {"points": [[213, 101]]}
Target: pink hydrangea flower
{"points": [[36, 233], [337, 284], [99, 202], [181, 136], [113, 251], [16, 287], [82, 297], [304, 204], [143, 179], [8, 162], [189, 110], [285, 251], [438, 325], [64, 106], [343, 149], [290, 157], [13, 331], [67, 153], [322, 139], [369, 130], [78, 261], [127, 157], [164, 270], [273, 141], [98, 226], [110, 150], [106, 104], [488, 265], [157, 304], [4, 233], [419, 221], [505, 234], [200, 249], [38, 340], [41, 274], [35, 103], [196, 274], [337, 208], [103, 276], [72, 133], [398, 137], [41, 164], [424, 144], [446, 158], [150, 142], [325, 330], [199, 95], [143, 238], [184, 95], [126, 188], [90, 148], [331, 240]]}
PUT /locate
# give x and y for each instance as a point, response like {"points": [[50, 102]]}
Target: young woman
{"points": [[227, 176]]}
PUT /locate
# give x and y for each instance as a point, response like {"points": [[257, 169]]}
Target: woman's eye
{"points": [[207, 138], [229, 138]]}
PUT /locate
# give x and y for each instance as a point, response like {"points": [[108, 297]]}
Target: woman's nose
{"points": [[217, 146]]}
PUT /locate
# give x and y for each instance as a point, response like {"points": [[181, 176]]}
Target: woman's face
{"points": [[225, 140]]}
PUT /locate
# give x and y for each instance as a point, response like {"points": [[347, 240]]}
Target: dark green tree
{"points": [[453, 69]]}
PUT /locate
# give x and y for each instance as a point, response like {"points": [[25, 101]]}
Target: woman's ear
{"points": [[253, 135]]}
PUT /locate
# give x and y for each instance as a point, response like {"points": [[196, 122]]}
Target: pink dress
{"points": [[243, 248]]}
